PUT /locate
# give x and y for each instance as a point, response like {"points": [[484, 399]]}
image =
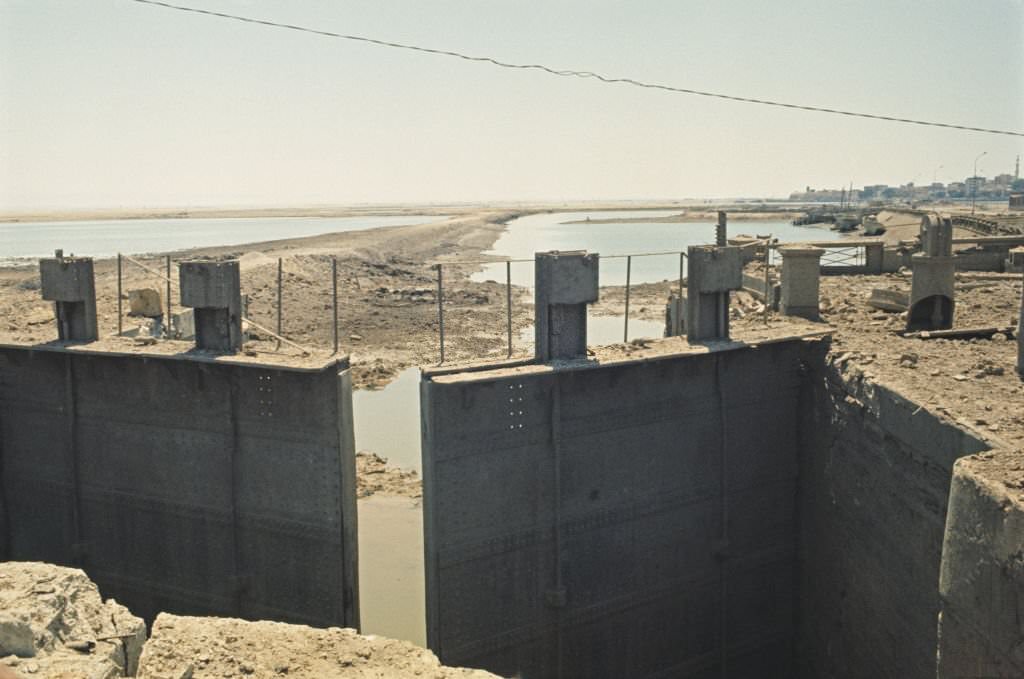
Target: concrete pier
{"points": [[801, 275], [565, 283], [712, 273], [69, 282], [932, 286], [213, 289]]}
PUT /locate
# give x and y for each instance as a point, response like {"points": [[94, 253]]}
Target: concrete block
{"points": [[16, 637], [981, 581], [565, 282], [932, 296], [720, 269], [70, 284], [801, 274], [145, 302], [937, 235], [675, 316], [213, 289], [183, 325], [874, 258], [712, 273], [208, 285], [67, 279], [569, 277], [1014, 260]]}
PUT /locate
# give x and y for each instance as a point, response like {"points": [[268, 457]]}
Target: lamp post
{"points": [[974, 180], [936, 173]]}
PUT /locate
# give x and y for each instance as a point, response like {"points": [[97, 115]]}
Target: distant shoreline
{"points": [[381, 210], [692, 217]]}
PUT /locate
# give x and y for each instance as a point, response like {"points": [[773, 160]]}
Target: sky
{"points": [[111, 103]]}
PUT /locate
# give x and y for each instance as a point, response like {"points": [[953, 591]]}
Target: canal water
{"points": [[134, 236], [528, 235]]}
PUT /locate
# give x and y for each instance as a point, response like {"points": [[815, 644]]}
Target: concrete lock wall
{"points": [[203, 487], [875, 478], [636, 518]]}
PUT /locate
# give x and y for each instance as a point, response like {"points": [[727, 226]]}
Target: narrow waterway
{"points": [[528, 235]]}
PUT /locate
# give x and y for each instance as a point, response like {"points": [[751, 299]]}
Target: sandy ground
{"points": [[204, 648]]}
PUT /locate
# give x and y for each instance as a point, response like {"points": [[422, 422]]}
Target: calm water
{"points": [[391, 594], [132, 236], [537, 233]]}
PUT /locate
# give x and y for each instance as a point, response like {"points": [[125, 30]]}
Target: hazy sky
{"points": [[113, 103]]}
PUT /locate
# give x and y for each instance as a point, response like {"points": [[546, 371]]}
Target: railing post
{"points": [[682, 259], [625, 329], [167, 328], [120, 311], [767, 280], [508, 300], [280, 267], [334, 292], [440, 311]]}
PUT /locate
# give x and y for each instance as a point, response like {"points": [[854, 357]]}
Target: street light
{"points": [[936, 173], [974, 180]]}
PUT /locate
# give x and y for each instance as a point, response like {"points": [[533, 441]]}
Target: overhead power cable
{"points": [[577, 74]]}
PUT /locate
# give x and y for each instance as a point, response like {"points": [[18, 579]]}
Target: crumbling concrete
{"points": [[213, 648], [69, 283], [982, 577], [932, 296], [801, 275], [565, 283], [213, 289], [53, 623]]}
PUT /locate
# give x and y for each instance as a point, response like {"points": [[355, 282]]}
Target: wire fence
{"points": [[169, 328], [444, 305]]}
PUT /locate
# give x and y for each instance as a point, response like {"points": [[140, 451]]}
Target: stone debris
{"points": [[208, 648], [375, 476], [145, 302], [54, 623], [887, 299]]}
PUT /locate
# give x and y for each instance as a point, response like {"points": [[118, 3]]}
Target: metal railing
{"points": [[510, 349]]}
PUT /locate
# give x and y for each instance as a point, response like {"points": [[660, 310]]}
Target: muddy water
{"points": [[387, 421], [391, 568]]}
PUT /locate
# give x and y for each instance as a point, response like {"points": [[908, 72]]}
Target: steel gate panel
{"points": [[600, 520], [188, 486]]}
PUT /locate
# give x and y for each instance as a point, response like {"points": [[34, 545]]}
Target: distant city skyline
{"points": [[115, 104]]}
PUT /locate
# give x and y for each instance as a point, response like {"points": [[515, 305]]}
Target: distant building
{"points": [[1016, 201]]}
